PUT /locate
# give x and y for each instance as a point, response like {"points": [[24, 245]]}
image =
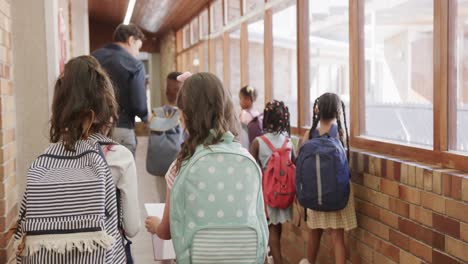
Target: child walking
{"points": [[336, 215], [69, 210], [214, 208], [250, 118], [277, 127]]}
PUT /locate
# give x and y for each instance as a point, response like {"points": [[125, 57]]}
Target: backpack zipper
{"points": [[319, 178]]}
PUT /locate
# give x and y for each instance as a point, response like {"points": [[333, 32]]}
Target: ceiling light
{"points": [[128, 15]]}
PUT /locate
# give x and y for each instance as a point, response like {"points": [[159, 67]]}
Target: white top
{"points": [[124, 173], [247, 115]]}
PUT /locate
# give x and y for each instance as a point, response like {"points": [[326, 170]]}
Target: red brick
{"points": [[389, 187], [399, 207], [421, 215], [357, 178], [366, 163], [437, 181], [383, 167], [446, 184], [421, 233], [375, 166], [433, 202], [446, 225], [420, 177], [367, 209], [404, 173], [373, 226], [366, 237], [439, 257], [456, 248], [465, 189], [421, 250], [411, 175], [372, 182], [464, 231], [400, 240], [396, 171], [407, 258], [383, 259], [427, 175], [455, 191], [388, 218], [409, 194], [457, 210], [388, 250]]}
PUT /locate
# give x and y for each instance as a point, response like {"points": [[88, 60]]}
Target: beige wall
{"points": [[168, 63]]}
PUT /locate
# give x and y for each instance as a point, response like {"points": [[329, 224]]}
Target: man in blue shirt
{"points": [[128, 76]]}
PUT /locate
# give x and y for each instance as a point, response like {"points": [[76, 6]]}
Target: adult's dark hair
{"points": [[205, 105], [123, 32], [83, 89], [329, 106], [173, 75]]}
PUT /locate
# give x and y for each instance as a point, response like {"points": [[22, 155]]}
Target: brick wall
{"points": [[8, 190], [407, 213]]}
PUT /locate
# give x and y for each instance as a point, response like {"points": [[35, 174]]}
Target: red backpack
{"points": [[279, 183]]}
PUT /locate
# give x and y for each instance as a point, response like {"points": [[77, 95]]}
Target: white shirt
{"points": [[124, 173]]}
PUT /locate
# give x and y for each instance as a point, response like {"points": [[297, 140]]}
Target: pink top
{"points": [[170, 175], [247, 115]]}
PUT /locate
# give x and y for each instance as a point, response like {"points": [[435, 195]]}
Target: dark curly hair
{"points": [[276, 117], [83, 89]]}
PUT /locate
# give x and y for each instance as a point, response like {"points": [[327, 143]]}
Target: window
{"points": [[285, 60], [195, 60], [216, 11], [195, 31], [204, 25], [186, 41], [256, 61], [398, 50], [234, 67], [253, 5], [458, 102], [233, 10], [204, 57], [218, 58], [329, 50], [179, 63]]}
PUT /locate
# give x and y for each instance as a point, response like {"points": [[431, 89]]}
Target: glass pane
{"points": [[195, 31], [253, 5], [233, 9], [216, 10], [285, 59], [329, 51], [186, 38], [398, 42], [195, 60], [458, 106], [204, 24], [205, 59], [234, 67], [218, 58], [256, 62], [179, 63]]}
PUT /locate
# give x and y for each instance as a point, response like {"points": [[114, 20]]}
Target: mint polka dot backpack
{"points": [[217, 211]]}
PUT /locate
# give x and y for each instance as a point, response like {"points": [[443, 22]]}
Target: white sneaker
{"points": [[304, 261]]}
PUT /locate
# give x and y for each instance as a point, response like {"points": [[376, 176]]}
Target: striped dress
{"points": [[69, 212]]}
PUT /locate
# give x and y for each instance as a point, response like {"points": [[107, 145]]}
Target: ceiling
{"points": [[153, 16]]}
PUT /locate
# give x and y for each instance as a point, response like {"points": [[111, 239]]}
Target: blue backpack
{"points": [[322, 173]]}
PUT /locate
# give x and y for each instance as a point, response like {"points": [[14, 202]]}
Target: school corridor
{"points": [[398, 67]]}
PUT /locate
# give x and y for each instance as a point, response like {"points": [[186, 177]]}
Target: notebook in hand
{"points": [[162, 249]]}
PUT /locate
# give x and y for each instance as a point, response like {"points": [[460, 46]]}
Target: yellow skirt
{"points": [[344, 218]]}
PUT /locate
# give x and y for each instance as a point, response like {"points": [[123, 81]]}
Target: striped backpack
{"points": [[69, 210], [217, 211]]}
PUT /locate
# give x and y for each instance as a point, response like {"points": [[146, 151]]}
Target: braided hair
{"points": [[276, 118], [329, 106]]}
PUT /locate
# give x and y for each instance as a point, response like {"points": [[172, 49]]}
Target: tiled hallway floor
{"points": [[151, 190]]}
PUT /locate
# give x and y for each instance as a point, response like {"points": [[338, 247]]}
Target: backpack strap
{"points": [[268, 143]]}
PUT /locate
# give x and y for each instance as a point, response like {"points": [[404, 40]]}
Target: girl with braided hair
{"points": [[276, 127], [329, 113]]}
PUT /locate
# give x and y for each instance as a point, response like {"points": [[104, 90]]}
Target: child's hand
{"points": [[152, 223]]}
